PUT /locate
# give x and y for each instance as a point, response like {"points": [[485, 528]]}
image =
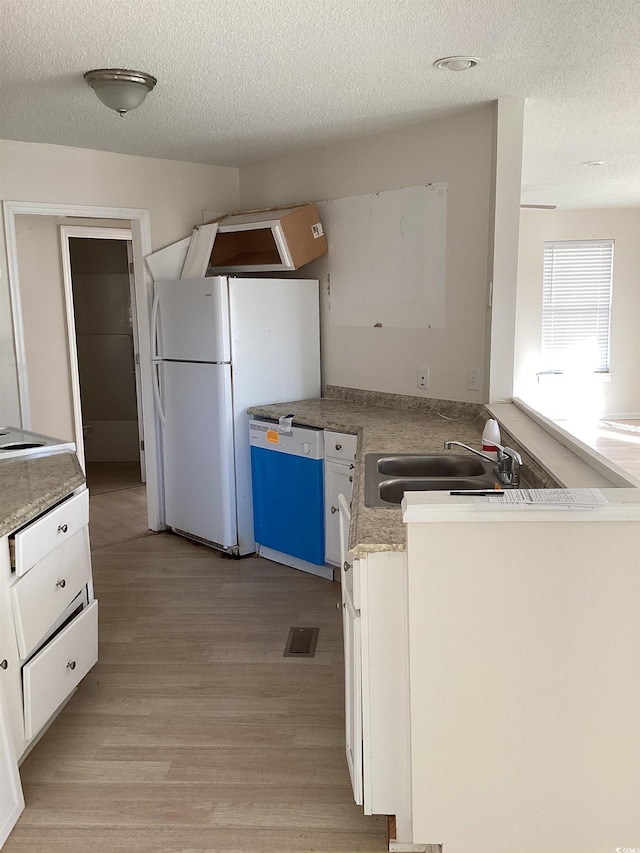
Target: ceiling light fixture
{"points": [[593, 162], [457, 63], [119, 89]]}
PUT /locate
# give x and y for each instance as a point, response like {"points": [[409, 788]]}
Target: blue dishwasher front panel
{"points": [[288, 503]]}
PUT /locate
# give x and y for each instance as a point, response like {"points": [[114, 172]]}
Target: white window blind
{"points": [[576, 305]]}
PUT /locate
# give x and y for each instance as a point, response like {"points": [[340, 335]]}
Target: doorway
{"points": [[98, 277], [61, 366]]}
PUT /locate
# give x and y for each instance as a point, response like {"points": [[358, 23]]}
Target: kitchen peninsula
{"points": [[492, 663], [393, 423]]}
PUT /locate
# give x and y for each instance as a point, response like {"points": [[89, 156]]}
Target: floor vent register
{"points": [[301, 643]]}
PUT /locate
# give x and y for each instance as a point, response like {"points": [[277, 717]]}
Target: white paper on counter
{"points": [[545, 498]]}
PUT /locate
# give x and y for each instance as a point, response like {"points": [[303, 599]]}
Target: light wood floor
{"points": [[193, 733], [617, 440], [118, 502]]}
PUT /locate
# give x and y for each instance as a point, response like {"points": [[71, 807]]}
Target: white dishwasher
{"points": [[288, 495]]}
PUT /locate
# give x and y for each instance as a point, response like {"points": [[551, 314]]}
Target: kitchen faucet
{"points": [[509, 461]]}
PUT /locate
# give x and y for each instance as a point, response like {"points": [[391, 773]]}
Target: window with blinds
{"points": [[576, 305]]}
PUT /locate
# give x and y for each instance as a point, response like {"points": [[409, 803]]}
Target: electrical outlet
{"points": [[423, 378], [473, 379]]}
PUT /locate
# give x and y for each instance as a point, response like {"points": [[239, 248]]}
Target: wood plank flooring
{"points": [[193, 734], [118, 502], [618, 440]]}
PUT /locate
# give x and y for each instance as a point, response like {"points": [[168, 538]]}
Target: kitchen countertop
{"points": [[29, 486], [389, 423], [381, 429]]}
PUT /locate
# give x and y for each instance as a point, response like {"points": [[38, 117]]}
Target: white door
{"points": [[197, 440], [136, 363], [199, 252], [11, 799], [191, 320]]}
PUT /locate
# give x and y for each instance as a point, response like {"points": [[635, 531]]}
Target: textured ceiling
{"points": [[243, 80]]}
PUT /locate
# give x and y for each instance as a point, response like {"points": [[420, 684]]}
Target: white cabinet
{"points": [[11, 799], [339, 464], [48, 617], [377, 744], [352, 658], [268, 240]]}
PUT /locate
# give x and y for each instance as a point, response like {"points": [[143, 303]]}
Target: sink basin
{"points": [[392, 491], [433, 465], [388, 476]]}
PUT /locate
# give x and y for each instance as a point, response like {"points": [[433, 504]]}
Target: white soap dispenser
{"points": [[491, 438]]}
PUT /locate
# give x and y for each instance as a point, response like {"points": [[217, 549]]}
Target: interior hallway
{"points": [[193, 733]]}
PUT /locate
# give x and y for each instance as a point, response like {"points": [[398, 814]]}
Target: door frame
{"points": [[141, 241], [90, 232]]}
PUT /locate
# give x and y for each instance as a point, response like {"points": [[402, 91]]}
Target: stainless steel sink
{"points": [[389, 476], [432, 465], [392, 491]]}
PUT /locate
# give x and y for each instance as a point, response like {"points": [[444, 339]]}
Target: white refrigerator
{"points": [[221, 345]]}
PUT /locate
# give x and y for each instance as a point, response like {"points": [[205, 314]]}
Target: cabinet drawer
{"points": [[340, 446], [40, 538], [41, 596], [58, 669]]}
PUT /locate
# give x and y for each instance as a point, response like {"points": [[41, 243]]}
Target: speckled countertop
{"points": [[383, 429], [30, 485]]}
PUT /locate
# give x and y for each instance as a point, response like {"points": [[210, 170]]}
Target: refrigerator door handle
{"points": [[156, 390], [154, 326]]}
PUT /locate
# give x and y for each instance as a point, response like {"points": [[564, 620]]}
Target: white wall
{"points": [[455, 150], [622, 394], [175, 194]]}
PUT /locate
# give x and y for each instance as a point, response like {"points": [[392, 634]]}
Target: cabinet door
{"points": [[351, 625], [338, 480], [11, 799], [10, 673], [353, 696]]}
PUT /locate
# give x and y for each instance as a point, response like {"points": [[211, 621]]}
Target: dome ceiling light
{"points": [[457, 63], [119, 89]]}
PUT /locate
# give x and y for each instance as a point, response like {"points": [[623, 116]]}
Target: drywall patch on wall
{"points": [[387, 258]]}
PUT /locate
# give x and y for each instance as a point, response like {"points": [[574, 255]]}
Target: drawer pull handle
{"points": [[62, 528], [351, 479], [334, 510], [346, 566], [338, 447], [351, 467], [61, 583], [4, 664], [71, 664]]}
